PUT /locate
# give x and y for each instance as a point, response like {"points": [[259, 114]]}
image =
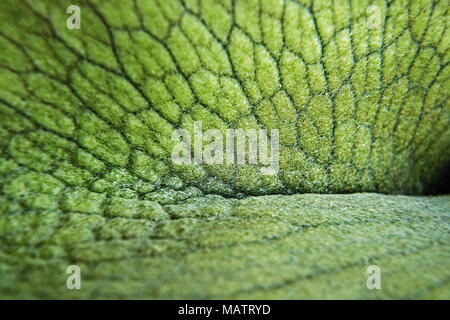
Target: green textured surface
{"points": [[86, 177], [278, 247]]}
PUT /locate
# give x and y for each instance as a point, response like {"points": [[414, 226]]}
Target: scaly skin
{"points": [[86, 118]]}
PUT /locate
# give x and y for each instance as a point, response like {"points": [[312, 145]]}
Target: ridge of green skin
{"points": [[358, 109], [86, 118]]}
